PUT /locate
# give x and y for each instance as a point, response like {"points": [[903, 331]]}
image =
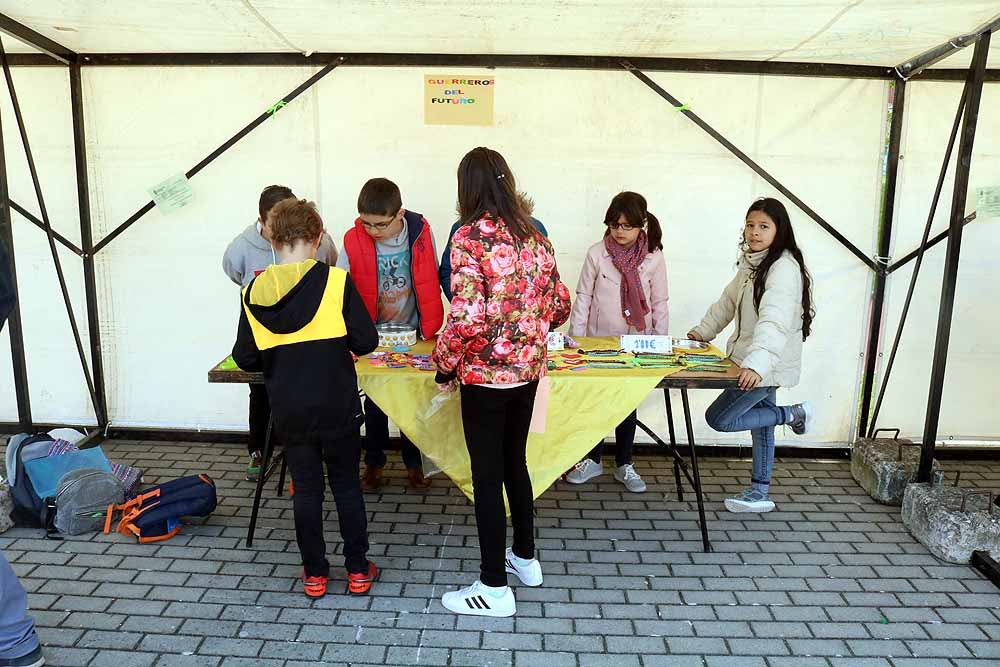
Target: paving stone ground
{"points": [[831, 579]]}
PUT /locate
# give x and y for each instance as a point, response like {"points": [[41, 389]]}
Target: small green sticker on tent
{"points": [[683, 107], [274, 108]]}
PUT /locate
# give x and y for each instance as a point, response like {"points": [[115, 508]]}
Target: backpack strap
{"points": [[49, 519]]}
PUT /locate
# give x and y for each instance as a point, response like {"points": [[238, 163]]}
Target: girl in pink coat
{"points": [[622, 290]]}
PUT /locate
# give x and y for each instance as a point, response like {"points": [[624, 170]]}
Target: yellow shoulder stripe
{"points": [[328, 322]]}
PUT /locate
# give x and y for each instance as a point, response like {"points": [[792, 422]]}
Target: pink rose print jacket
{"points": [[506, 296]]}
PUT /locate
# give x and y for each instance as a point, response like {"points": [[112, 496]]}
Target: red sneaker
{"points": [[315, 587], [359, 583]]}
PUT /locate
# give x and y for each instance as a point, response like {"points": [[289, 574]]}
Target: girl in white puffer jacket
{"points": [[770, 299]]}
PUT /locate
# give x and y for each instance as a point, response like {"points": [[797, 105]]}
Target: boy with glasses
{"points": [[391, 257]]}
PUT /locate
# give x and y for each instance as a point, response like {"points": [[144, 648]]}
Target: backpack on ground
{"points": [[37, 466], [84, 499], [155, 514]]}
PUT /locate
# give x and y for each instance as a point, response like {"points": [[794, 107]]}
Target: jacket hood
{"points": [[253, 237], [285, 297]]}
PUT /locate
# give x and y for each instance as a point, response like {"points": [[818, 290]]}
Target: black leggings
{"points": [[496, 423]]}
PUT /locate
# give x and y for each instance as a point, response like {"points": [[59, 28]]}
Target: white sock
{"points": [[520, 561], [496, 591]]}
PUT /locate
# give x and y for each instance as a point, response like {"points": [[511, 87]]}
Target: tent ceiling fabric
{"points": [[859, 32]]}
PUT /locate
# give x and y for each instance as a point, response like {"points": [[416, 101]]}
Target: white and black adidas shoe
{"points": [[480, 600], [528, 571]]}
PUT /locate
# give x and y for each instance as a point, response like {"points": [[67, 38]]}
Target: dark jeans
{"points": [[624, 439], [305, 463], [496, 423], [377, 439], [260, 414]]}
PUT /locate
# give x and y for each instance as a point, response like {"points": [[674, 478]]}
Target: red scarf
{"points": [[627, 261]]}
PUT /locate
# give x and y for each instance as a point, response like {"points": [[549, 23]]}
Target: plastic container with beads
{"points": [[396, 335]]}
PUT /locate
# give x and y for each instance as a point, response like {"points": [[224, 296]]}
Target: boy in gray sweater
{"points": [[248, 255]]}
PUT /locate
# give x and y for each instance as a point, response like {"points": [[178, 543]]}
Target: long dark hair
{"points": [[486, 185], [633, 206], [784, 239]]}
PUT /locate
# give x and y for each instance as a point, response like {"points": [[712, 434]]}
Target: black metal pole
{"points": [[933, 241], [743, 157], [304, 86], [877, 313], [959, 113], [48, 225], [87, 239], [952, 255], [20, 366], [30, 217]]}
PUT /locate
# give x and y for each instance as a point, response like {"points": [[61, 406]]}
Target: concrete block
{"points": [[951, 522], [883, 467]]}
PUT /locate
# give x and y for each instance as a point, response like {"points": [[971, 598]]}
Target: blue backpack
{"points": [[35, 474], [155, 514]]}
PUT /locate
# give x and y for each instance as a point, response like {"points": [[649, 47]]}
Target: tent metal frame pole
{"points": [[87, 239], [930, 243], [254, 124], [16, 327], [938, 53], [877, 312], [48, 225], [55, 53], [747, 160], [959, 113], [514, 61], [953, 255], [33, 219]]}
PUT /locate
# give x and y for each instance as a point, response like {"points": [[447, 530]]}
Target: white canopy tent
{"points": [[775, 78]]}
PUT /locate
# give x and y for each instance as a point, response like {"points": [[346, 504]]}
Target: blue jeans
{"points": [[17, 630], [755, 411]]}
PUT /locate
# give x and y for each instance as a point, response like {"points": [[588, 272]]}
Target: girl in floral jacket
{"points": [[506, 296]]}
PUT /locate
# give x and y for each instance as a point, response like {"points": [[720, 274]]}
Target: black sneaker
{"points": [[802, 418], [33, 659]]}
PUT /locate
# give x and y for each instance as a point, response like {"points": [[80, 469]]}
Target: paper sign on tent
{"points": [[988, 204], [172, 194], [458, 99]]}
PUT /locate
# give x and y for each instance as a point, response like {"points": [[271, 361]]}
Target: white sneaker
{"points": [[480, 600], [584, 471], [627, 475], [750, 501], [529, 572]]}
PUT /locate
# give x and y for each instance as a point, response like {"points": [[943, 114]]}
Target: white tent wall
{"points": [[58, 390], [968, 408], [573, 138]]}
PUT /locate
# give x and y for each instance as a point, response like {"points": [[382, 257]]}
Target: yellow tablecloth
{"points": [[583, 407]]}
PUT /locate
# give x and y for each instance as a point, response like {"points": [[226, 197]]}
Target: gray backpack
{"points": [[83, 498]]}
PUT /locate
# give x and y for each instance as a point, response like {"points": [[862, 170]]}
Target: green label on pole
{"points": [[172, 194]]}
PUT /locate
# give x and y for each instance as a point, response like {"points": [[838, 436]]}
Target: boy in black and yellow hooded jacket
{"points": [[299, 324]]}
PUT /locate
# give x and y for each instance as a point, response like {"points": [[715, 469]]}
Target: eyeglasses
{"points": [[626, 227], [379, 226]]}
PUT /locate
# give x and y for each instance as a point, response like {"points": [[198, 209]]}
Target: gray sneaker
{"points": [[627, 475], [802, 418], [584, 471], [751, 501]]}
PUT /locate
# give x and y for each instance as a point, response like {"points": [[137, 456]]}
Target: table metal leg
{"points": [[673, 443], [265, 460], [694, 469], [281, 473]]}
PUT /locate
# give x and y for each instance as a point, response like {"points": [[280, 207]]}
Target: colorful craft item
{"points": [[601, 353], [420, 362]]}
